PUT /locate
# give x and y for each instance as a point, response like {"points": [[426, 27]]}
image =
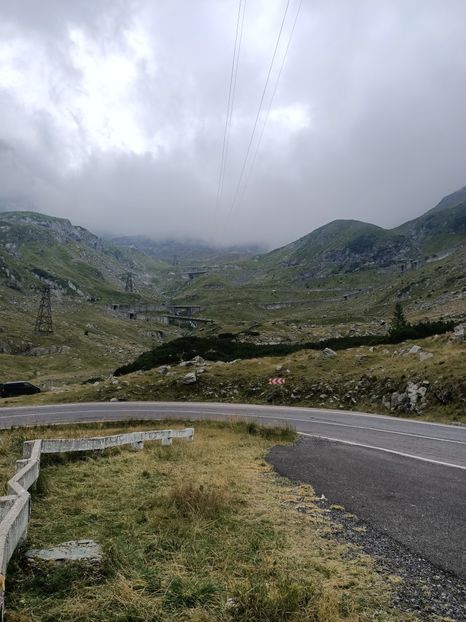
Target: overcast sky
{"points": [[112, 113]]}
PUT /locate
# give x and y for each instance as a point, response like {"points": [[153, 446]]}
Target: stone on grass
{"points": [[75, 550], [414, 350], [197, 360], [458, 334], [328, 353], [190, 378]]}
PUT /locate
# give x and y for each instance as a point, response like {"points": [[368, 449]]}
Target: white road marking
{"points": [[389, 451], [177, 411], [259, 407]]}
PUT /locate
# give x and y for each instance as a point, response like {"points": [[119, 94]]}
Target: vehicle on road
{"points": [[20, 387]]}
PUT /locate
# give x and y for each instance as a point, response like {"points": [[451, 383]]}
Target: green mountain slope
{"points": [[344, 246], [36, 248]]}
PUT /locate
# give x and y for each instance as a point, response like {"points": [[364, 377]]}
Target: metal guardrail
{"points": [[15, 507]]}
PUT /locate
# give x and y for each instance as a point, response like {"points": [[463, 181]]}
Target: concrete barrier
{"points": [[15, 507]]}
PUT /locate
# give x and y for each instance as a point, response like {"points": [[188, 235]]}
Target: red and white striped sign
{"points": [[276, 380]]}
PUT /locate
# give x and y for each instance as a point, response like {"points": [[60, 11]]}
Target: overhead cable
{"points": [[231, 96], [248, 151], [274, 92]]}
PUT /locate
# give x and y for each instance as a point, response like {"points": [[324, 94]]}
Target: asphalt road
{"points": [[432, 442], [406, 478], [419, 504]]}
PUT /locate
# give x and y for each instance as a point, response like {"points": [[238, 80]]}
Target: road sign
{"points": [[276, 380]]}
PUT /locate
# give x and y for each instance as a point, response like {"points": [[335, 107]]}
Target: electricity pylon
{"points": [[129, 282], [44, 325]]}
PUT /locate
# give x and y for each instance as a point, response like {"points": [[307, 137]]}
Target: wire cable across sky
{"points": [[253, 133], [231, 97]]}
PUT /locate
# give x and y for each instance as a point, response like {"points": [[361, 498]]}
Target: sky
{"points": [[113, 113]]}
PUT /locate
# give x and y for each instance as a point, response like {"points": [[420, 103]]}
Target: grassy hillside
{"points": [[35, 248]]}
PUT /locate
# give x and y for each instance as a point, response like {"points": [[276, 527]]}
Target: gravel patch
{"points": [[425, 590]]}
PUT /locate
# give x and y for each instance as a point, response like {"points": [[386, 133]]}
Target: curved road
{"points": [[432, 442], [406, 478]]}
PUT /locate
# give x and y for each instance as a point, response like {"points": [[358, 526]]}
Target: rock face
{"points": [[48, 350], [410, 400]]}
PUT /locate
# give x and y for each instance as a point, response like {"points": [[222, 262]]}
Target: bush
{"points": [[215, 349]]}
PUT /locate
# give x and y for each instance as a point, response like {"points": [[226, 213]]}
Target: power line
{"points": [[274, 92], [231, 96], [243, 168]]}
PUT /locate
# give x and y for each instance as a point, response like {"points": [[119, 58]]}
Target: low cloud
{"points": [[112, 114]]}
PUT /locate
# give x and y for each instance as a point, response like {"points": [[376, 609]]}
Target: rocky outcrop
{"points": [[47, 350]]}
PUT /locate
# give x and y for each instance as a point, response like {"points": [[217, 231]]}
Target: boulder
{"points": [[414, 350], [458, 334], [197, 360], [190, 378], [163, 369], [328, 353]]}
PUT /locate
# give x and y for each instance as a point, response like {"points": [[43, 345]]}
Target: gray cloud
{"points": [[112, 113]]}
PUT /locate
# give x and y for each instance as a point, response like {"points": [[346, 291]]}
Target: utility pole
{"points": [[44, 325], [129, 282]]}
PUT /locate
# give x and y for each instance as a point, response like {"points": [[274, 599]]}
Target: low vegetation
{"points": [[227, 348], [201, 531]]}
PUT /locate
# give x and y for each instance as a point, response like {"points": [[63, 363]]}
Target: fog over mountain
{"points": [[112, 113]]}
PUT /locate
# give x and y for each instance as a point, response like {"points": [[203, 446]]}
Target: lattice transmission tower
{"points": [[129, 282], [44, 324]]}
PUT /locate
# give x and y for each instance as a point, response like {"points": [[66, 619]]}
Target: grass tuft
{"points": [[185, 594], [284, 600], [190, 500]]}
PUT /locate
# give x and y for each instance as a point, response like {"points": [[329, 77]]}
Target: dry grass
{"points": [[201, 531]]}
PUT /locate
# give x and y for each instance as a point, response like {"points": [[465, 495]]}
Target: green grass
{"points": [[200, 531]]}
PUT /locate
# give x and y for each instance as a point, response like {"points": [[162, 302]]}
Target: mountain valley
{"points": [[340, 280]]}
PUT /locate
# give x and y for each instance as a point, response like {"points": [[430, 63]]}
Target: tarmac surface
{"points": [[419, 504], [405, 478]]}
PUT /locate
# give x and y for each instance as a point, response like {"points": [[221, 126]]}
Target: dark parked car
{"points": [[10, 389]]}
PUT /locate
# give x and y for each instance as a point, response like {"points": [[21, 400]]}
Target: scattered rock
{"points": [[328, 353], [458, 334], [190, 378], [414, 350], [197, 360], [48, 350], [163, 369]]}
